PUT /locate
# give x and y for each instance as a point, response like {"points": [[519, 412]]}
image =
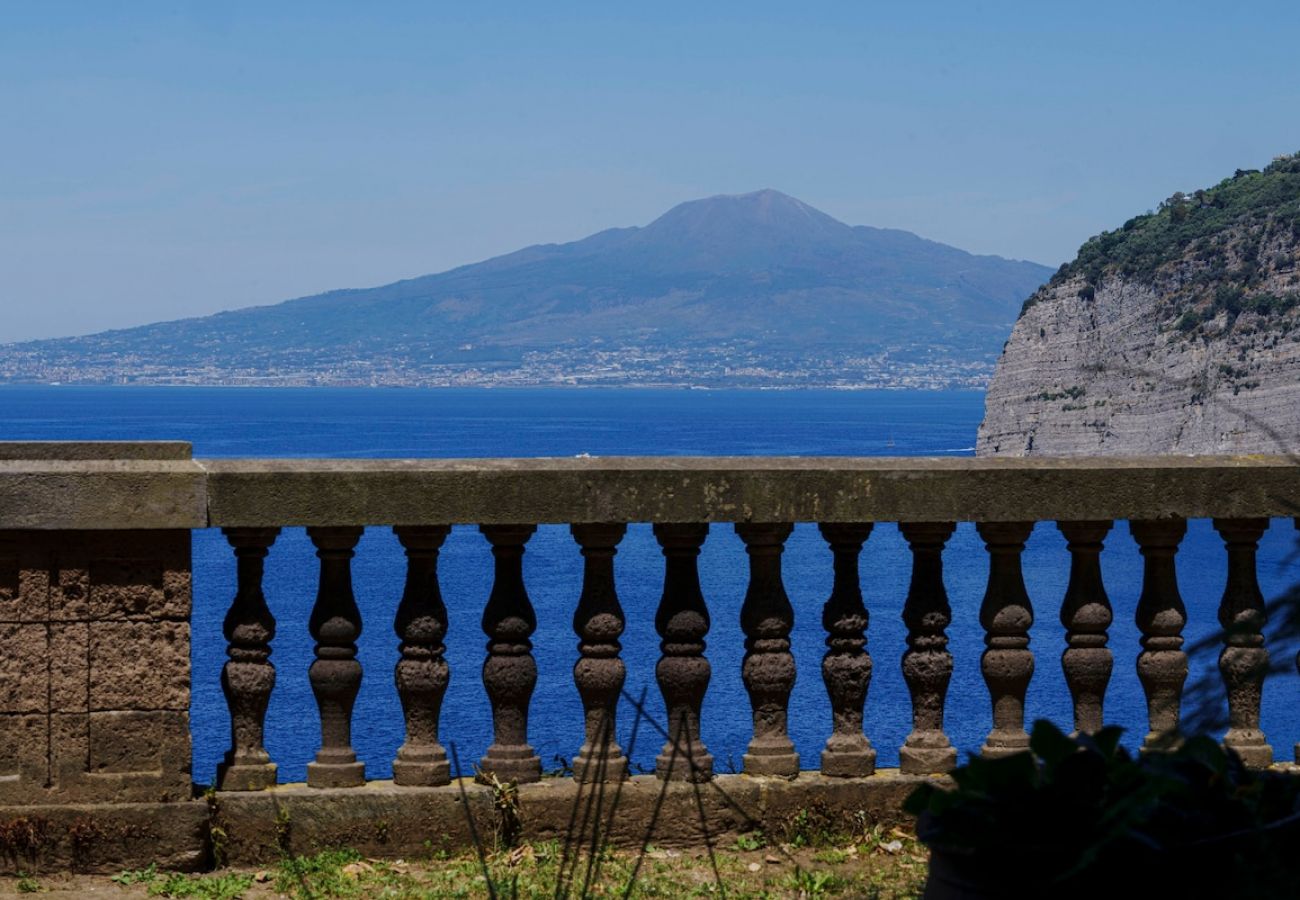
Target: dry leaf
{"points": [[520, 855], [357, 869]]}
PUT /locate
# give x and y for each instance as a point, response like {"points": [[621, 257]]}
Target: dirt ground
{"points": [[885, 864]]}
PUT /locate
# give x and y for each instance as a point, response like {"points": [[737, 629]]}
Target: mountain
{"points": [[1177, 333], [754, 288]]}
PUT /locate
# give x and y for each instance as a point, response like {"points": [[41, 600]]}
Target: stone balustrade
{"points": [[95, 598]]}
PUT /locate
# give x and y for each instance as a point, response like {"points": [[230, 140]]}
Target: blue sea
{"points": [[372, 423]]}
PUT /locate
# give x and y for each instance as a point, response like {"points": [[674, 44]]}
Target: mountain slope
{"points": [[764, 274], [1177, 333]]}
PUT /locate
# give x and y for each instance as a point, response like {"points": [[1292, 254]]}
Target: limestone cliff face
{"points": [[1194, 348]]}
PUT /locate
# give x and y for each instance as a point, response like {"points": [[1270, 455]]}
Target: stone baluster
{"points": [[1006, 616], [1162, 664], [248, 678], [683, 672], [421, 673], [1244, 661], [335, 625], [846, 668], [768, 670], [599, 672], [1086, 615], [927, 664], [510, 672]]}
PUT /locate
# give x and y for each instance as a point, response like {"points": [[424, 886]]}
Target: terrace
{"points": [[95, 630]]}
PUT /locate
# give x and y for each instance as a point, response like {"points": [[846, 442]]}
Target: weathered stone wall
{"points": [[94, 666]]}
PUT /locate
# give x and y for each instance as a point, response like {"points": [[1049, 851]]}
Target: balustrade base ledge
{"points": [[108, 837], [385, 820], [382, 819]]}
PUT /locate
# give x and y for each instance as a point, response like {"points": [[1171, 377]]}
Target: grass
{"points": [[220, 886], [876, 867], [809, 861]]}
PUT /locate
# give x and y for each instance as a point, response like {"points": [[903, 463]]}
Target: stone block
{"points": [[69, 748], [108, 495], [24, 757], [8, 586], [126, 589], [135, 575], [69, 591], [667, 814], [120, 757], [24, 576], [139, 665], [88, 450], [24, 673], [138, 742], [111, 837], [69, 670], [178, 589], [33, 601], [834, 803], [139, 575], [380, 820]]}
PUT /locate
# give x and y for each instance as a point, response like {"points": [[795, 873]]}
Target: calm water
{"points": [[451, 423]]}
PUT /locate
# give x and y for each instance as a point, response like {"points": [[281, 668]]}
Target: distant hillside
{"points": [[757, 288], [1177, 333]]}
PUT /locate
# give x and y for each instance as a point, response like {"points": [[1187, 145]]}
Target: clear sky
{"points": [[160, 160]]}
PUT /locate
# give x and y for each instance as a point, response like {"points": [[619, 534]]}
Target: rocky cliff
{"points": [[1177, 333]]}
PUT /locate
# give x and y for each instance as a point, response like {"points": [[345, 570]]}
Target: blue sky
{"points": [[160, 160]]}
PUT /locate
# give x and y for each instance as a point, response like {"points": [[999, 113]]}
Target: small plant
{"points": [[204, 887], [83, 834], [833, 856], [217, 836], [137, 876], [321, 875], [283, 830], [803, 883], [751, 841], [814, 826], [24, 838], [27, 884], [505, 800]]}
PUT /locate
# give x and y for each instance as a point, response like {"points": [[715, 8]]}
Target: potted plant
{"points": [[1080, 815]]}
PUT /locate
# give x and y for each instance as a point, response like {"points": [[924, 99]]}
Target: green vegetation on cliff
{"points": [[1229, 244]]}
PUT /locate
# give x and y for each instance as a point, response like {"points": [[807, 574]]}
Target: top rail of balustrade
{"points": [[157, 486], [738, 489], [108, 485]]}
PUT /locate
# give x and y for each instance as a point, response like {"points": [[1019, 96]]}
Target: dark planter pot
{"points": [[955, 876], [1206, 868], [960, 875]]}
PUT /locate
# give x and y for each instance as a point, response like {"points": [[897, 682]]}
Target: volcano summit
{"points": [[754, 289]]}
